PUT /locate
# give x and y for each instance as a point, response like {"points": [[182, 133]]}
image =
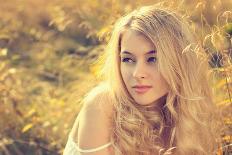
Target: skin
{"points": [[139, 66]]}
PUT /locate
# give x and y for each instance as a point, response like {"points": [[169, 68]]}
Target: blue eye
{"points": [[127, 60], [151, 59]]}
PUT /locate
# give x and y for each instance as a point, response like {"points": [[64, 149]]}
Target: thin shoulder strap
{"points": [[94, 149], [88, 150]]}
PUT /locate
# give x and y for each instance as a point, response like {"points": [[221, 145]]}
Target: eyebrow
{"points": [[150, 52]]}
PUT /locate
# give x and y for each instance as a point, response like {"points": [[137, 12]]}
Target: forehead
{"points": [[135, 42]]}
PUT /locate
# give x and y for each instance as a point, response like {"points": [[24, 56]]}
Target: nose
{"points": [[140, 71]]}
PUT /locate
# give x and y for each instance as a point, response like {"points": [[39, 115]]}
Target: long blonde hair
{"points": [[185, 123]]}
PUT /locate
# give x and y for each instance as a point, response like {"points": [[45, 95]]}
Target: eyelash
{"points": [[127, 60], [153, 58]]}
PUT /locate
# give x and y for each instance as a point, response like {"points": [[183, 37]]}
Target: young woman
{"points": [[155, 98]]}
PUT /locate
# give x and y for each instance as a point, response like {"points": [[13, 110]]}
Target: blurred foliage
{"points": [[47, 49]]}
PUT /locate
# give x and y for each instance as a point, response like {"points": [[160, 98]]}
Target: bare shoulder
{"points": [[93, 127], [99, 101]]}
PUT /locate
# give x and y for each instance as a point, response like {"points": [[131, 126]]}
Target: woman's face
{"points": [[139, 68]]}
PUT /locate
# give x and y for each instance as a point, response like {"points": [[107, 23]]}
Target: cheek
{"points": [[160, 82], [126, 74], [163, 84]]}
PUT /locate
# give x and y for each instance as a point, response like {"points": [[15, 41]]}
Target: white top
{"points": [[72, 148]]}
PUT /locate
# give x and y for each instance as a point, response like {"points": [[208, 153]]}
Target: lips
{"points": [[141, 88]]}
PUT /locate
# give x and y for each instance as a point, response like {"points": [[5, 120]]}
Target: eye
{"points": [[127, 60], [151, 59]]}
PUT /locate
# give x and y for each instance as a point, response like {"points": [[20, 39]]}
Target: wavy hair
{"points": [[182, 122]]}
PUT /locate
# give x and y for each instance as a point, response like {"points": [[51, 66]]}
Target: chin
{"points": [[140, 102], [151, 101]]}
